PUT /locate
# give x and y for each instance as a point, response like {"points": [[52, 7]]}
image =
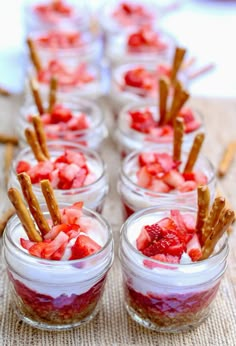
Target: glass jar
{"points": [[163, 296], [118, 52], [129, 139], [56, 295], [92, 137], [93, 195], [134, 197], [122, 94]]}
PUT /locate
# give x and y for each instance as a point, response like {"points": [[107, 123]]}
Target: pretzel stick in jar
{"points": [[41, 136], [34, 55], [36, 95], [5, 218], [203, 207], [52, 93], [227, 159], [33, 143], [178, 139], [24, 215], [177, 62], [163, 96], [194, 152], [177, 104], [8, 157], [50, 199], [33, 203]]}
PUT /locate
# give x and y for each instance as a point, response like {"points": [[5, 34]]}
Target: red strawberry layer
{"points": [[77, 77], [159, 173], [67, 171], [131, 13], [60, 40], [143, 121], [51, 10], [145, 39], [169, 238], [70, 235], [62, 119]]}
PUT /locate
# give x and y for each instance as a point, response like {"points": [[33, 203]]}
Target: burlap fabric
{"points": [[112, 326]]}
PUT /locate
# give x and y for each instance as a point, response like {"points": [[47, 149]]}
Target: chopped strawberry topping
{"points": [[60, 40], [22, 166], [145, 39], [127, 14], [83, 247]]}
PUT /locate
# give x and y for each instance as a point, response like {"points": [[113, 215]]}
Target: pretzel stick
{"points": [[36, 95], [203, 207], [177, 62], [184, 96], [163, 95], [213, 217], [34, 55], [5, 218], [222, 225], [24, 215], [227, 159], [52, 93], [33, 203], [33, 143], [8, 157], [5, 92], [4, 139], [178, 139], [41, 136], [50, 199], [194, 152]]}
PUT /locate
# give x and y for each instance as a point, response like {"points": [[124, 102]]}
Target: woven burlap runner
{"points": [[112, 326]]}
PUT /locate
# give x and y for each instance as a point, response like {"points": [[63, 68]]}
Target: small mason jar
{"points": [[129, 139], [91, 137], [134, 197], [93, 195], [163, 296], [57, 295], [122, 94]]}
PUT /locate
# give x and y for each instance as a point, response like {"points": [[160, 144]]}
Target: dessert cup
{"points": [[134, 197], [93, 195], [163, 296], [128, 139], [91, 137], [57, 295]]}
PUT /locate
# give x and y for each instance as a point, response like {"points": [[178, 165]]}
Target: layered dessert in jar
{"points": [[78, 121], [144, 44], [157, 175], [49, 14], [57, 262], [76, 173], [173, 263]]}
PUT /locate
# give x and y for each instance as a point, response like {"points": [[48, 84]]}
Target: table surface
{"points": [[112, 326]]}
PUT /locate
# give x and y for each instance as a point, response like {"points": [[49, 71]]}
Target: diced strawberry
{"points": [[168, 245], [144, 178], [78, 123], [57, 255], [158, 185], [192, 126], [69, 172], [54, 178], [71, 215], [134, 78], [143, 239], [41, 171], [187, 186], [189, 222], [26, 244], [83, 247], [55, 230], [154, 231], [60, 240], [194, 248], [174, 179], [168, 224], [37, 249], [146, 158], [60, 114], [72, 234], [200, 178], [187, 115], [189, 176], [22, 166], [76, 158], [163, 70], [155, 169], [78, 205], [142, 121], [79, 179], [166, 161]]}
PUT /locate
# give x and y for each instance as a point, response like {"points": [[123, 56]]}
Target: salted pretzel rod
{"points": [[36, 95], [41, 136], [33, 143], [177, 62], [24, 215], [179, 99], [219, 229], [175, 98], [203, 207], [51, 201], [194, 152], [227, 159], [33, 203], [163, 96], [4, 139], [178, 138], [8, 157], [52, 93], [5, 218], [212, 218], [34, 55]]}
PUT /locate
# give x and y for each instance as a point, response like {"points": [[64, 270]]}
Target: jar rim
{"points": [[76, 146], [93, 213], [138, 214]]}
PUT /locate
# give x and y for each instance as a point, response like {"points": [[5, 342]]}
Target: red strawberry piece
{"points": [[173, 179], [72, 234], [76, 158], [187, 186], [60, 114], [200, 178], [79, 179], [46, 119], [26, 244], [22, 166], [54, 178], [189, 176], [69, 172], [78, 123], [78, 205], [144, 178], [71, 215], [170, 245], [189, 222], [52, 234], [154, 231], [37, 249], [143, 239], [166, 161], [57, 255], [167, 131], [41, 171], [163, 70], [194, 248], [146, 158], [168, 224], [155, 169], [83, 247], [60, 240], [134, 78], [192, 126], [134, 40], [187, 115], [142, 121], [158, 185], [166, 258]]}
